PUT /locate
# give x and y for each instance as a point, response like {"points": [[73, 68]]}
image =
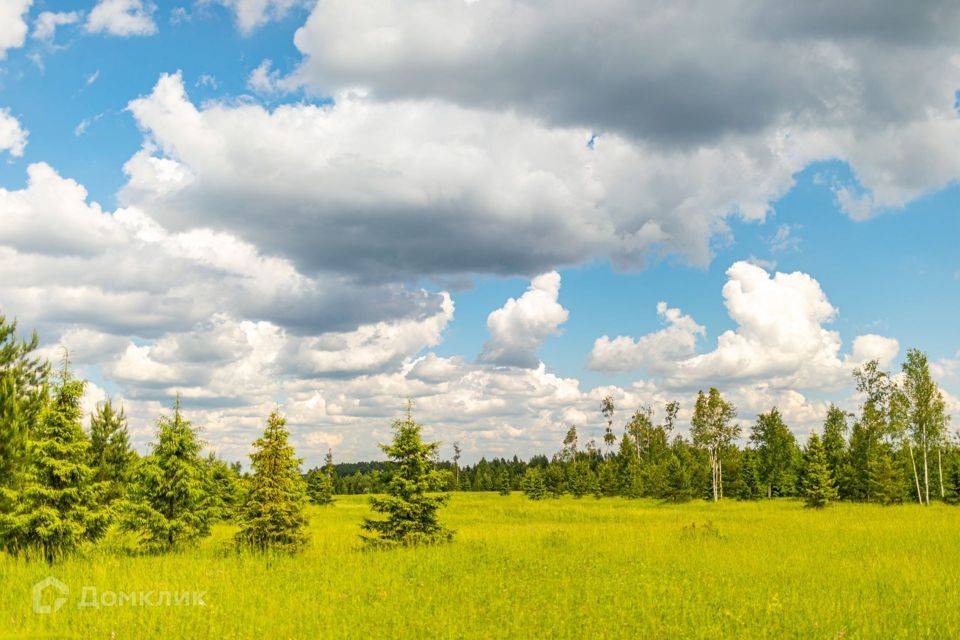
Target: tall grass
{"points": [[554, 569]]}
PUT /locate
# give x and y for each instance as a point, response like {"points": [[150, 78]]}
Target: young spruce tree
{"points": [[273, 516], [320, 482], [23, 395], [60, 504], [818, 487], [503, 482], [168, 503], [411, 512], [533, 485], [111, 455]]}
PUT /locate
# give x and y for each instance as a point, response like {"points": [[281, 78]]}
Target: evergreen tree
{"points": [[776, 451], [869, 430], [225, 487], [533, 484], [818, 487], [168, 503], [749, 483], [555, 480], [953, 483], [411, 512], [111, 456], [272, 518], [678, 487], [629, 473], [607, 483], [581, 479], [23, 395], [60, 504], [835, 438], [320, 482], [503, 482], [886, 477]]}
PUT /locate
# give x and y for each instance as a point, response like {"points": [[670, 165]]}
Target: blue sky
{"points": [[331, 209]]}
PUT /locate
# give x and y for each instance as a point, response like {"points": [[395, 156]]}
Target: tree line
{"points": [[896, 449], [62, 487]]}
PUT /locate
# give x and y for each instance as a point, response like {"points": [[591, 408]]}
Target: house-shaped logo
{"points": [[49, 595]]}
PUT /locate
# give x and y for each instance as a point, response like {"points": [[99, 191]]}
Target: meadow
{"points": [[561, 568]]}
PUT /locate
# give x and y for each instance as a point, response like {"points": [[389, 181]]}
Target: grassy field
{"points": [[556, 569]]}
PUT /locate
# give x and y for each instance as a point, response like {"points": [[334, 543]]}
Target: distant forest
{"points": [[897, 448]]}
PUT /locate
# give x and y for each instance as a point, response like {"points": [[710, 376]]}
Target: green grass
{"points": [[556, 569]]}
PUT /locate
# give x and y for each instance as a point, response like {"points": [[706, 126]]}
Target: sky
{"points": [[504, 210]]}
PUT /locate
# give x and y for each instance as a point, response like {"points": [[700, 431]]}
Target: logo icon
{"points": [[49, 584]]}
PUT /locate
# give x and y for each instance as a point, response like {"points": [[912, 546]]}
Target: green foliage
{"points": [[411, 512], [226, 488], [748, 485], [679, 486], [629, 475], [59, 506], [272, 517], [320, 482], [23, 395], [555, 480], [953, 483], [111, 456], [886, 477], [925, 411], [169, 504], [712, 429], [503, 483], [777, 454], [607, 483], [818, 486], [581, 479], [533, 484]]}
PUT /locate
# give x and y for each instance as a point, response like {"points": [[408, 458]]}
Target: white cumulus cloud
{"points": [[122, 18], [781, 339], [518, 329]]}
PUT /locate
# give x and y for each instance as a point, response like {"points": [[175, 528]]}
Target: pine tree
{"points": [[835, 440], [581, 478], [533, 485], [59, 507], [953, 483], [226, 488], [776, 453], [818, 487], [111, 456], [678, 488], [169, 504], [555, 480], [503, 482], [886, 477], [23, 395], [629, 473], [320, 482], [411, 514], [607, 483], [749, 485], [272, 518]]}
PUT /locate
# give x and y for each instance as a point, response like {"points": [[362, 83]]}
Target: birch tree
{"points": [[712, 429], [927, 417]]}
